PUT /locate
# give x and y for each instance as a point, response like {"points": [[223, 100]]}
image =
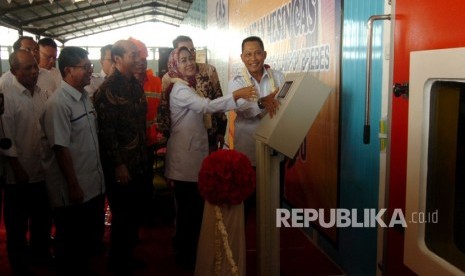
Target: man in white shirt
{"points": [[266, 82], [45, 81], [108, 66], [26, 202], [48, 50]]}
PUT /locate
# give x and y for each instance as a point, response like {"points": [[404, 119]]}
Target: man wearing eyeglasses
{"points": [[26, 204], [207, 82], [48, 51], [108, 66], [45, 80], [73, 171]]}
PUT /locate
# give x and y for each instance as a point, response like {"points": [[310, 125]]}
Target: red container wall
{"points": [[419, 25]]}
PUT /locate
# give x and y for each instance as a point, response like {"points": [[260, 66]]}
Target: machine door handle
{"points": [[400, 89], [366, 126]]}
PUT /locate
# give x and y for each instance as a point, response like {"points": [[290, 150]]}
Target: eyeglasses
{"points": [[50, 58], [30, 50], [184, 60], [192, 50], [87, 67]]}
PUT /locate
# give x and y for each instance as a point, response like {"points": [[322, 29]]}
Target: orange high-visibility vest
{"points": [[152, 89]]}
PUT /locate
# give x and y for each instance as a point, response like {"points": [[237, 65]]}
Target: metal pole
{"points": [[268, 243]]}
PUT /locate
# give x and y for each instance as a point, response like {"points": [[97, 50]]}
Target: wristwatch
{"points": [[260, 104]]}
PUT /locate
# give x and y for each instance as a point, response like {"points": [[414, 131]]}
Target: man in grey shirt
{"points": [[74, 175]]}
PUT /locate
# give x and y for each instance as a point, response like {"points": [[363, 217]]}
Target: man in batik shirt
{"points": [[121, 108]]}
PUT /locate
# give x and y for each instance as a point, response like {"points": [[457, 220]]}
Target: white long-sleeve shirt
{"points": [[21, 124], [247, 120], [45, 81], [188, 142]]}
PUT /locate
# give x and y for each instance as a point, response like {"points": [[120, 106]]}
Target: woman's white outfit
{"points": [[188, 142]]}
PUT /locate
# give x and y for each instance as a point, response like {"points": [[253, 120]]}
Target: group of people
{"points": [[89, 136]]}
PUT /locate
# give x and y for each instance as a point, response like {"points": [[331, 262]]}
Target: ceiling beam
{"points": [[95, 7], [167, 12], [60, 14], [153, 20], [26, 6], [106, 24], [91, 18]]}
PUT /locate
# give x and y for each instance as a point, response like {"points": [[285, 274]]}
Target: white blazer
{"points": [[188, 142]]}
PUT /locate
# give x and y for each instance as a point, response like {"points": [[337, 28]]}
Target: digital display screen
{"points": [[283, 92]]}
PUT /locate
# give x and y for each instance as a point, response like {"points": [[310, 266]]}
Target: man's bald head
{"points": [[125, 55], [18, 57], [24, 66]]}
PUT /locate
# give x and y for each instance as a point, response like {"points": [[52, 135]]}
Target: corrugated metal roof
{"points": [[67, 19]]}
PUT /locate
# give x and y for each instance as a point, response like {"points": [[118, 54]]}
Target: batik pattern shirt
{"points": [[121, 108], [209, 84]]}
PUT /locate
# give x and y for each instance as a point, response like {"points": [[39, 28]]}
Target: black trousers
{"points": [[78, 236], [189, 215], [148, 195], [26, 210], [2, 187], [126, 205]]}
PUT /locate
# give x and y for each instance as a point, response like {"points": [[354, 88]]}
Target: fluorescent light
{"points": [[103, 18]]}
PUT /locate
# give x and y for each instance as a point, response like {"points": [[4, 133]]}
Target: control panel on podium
{"points": [[301, 98]]}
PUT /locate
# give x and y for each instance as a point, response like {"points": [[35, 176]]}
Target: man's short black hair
{"points": [[47, 41], [18, 42], [252, 39], [104, 50], [118, 49], [70, 56], [179, 39]]}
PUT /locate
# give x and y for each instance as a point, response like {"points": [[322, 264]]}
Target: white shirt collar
{"points": [[73, 92], [21, 88]]}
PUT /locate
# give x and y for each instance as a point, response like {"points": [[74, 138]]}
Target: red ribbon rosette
{"points": [[226, 177]]}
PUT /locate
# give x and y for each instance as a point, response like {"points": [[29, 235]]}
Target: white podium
{"points": [[301, 97]]}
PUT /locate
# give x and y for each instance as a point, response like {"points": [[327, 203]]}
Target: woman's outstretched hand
{"points": [[247, 93]]}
